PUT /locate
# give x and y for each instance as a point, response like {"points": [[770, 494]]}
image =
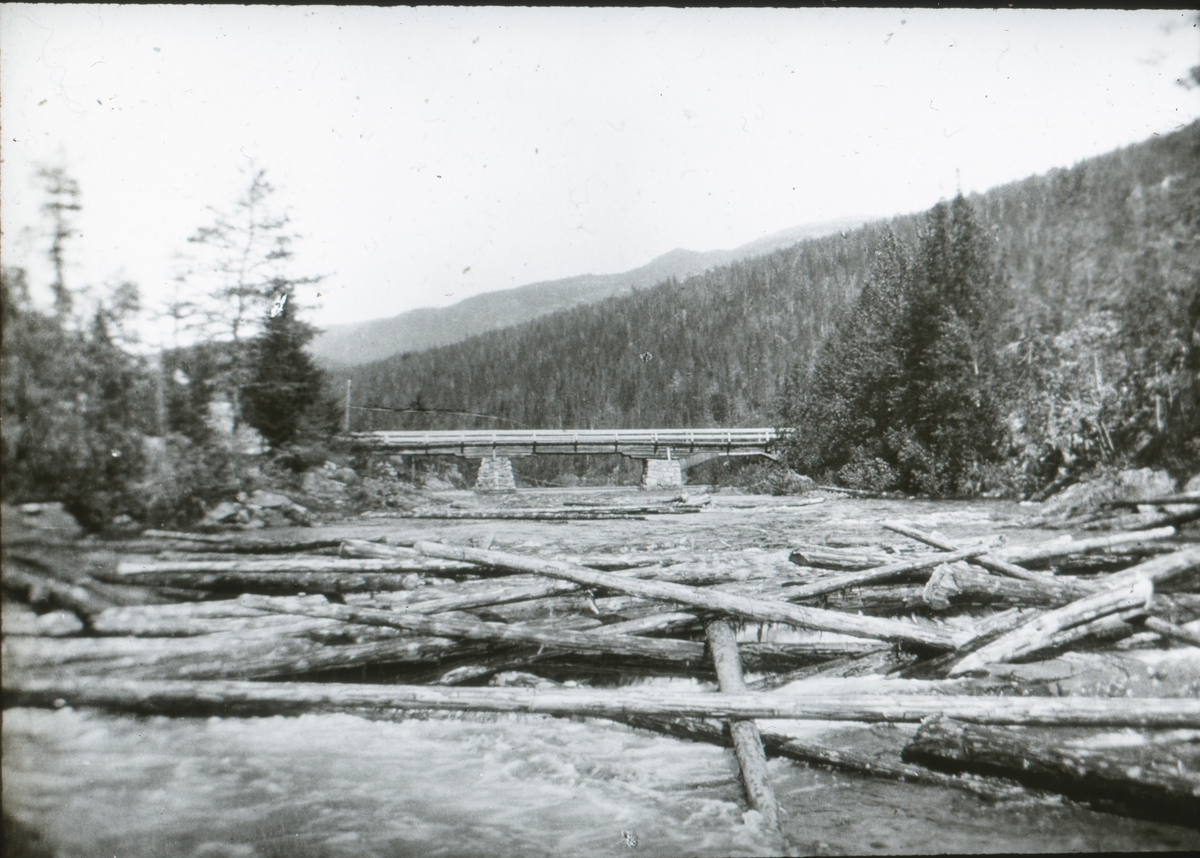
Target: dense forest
{"points": [[120, 435], [1091, 342]]}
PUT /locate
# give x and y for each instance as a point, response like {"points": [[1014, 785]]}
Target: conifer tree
{"points": [[284, 384]]}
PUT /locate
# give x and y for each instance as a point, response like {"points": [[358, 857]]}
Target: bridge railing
{"points": [[630, 442]]}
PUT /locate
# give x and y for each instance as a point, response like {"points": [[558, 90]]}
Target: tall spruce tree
{"points": [[283, 393], [948, 404]]}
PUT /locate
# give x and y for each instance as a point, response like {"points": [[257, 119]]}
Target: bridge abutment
{"points": [[495, 475], [662, 474]]}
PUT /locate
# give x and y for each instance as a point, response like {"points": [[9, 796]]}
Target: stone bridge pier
{"points": [[665, 453]]}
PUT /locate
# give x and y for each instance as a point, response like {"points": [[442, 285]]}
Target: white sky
{"points": [[531, 144]]}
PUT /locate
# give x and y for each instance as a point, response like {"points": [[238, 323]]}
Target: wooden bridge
{"points": [[665, 452], [636, 443]]}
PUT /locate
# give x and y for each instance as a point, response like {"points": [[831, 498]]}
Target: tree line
{"points": [[989, 344], [116, 430]]}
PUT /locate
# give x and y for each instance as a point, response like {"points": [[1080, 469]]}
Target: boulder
{"points": [[347, 476], [437, 484], [319, 483], [270, 500], [223, 511], [1143, 483], [49, 517]]}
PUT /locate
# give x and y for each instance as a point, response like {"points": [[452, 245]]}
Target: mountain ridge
{"points": [[429, 327]]}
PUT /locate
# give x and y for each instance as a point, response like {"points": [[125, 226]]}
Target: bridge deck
{"points": [[637, 443]]}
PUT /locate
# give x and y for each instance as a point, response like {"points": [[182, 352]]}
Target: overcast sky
{"points": [[434, 153]]}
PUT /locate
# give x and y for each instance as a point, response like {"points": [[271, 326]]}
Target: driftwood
{"points": [[1122, 590], [887, 600], [1171, 631], [1166, 500], [657, 649], [823, 557], [997, 564], [130, 570], [1038, 634], [39, 588], [240, 544], [291, 698], [747, 744], [1161, 570], [881, 573], [277, 582], [755, 609], [269, 652], [1148, 779], [521, 515], [872, 662], [783, 745], [1026, 555], [958, 583]]}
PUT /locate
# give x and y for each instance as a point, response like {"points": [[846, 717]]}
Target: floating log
{"points": [[496, 596], [1164, 500], [293, 698], [849, 760], [854, 493], [882, 573], [240, 544], [747, 744], [958, 583], [1159, 571], [654, 648], [129, 570], [666, 621], [1149, 779], [1037, 634], [823, 557], [1169, 630], [1025, 555], [997, 564], [268, 652], [39, 588], [520, 515], [870, 662], [277, 582], [755, 609]]}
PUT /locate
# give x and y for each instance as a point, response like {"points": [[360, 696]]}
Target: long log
{"points": [[998, 564], [755, 609], [278, 582], [1159, 571], [269, 652], [130, 570], [658, 649], [958, 583], [239, 544], [1169, 630], [1025, 555], [1045, 631], [1164, 500], [1037, 635], [882, 573], [40, 588], [824, 557], [747, 744], [519, 515], [1148, 779], [292, 698], [842, 759]]}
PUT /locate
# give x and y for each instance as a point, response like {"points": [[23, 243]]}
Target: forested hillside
{"points": [[429, 327], [1093, 272]]}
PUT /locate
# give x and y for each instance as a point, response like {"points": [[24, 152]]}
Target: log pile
{"points": [[188, 624]]}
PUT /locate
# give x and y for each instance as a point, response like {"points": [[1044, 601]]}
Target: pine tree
{"points": [[285, 385]]}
